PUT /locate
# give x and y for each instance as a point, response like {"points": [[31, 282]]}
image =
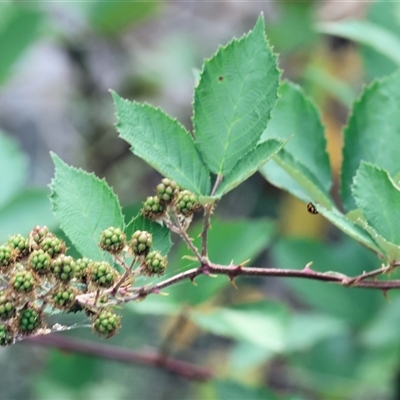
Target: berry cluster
{"points": [[37, 277], [170, 198]]}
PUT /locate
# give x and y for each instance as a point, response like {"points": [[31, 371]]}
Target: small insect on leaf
{"points": [[311, 208]]}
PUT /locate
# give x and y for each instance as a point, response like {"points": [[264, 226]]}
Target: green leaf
{"points": [[307, 329], [297, 178], [161, 235], [27, 209], [84, 205], [14, 165], [163, 143], [378, 198], [304, 157], [372, 132], [366, 33], [233, 101], [248, 165], [16, 34], [236, 240], [350, 226], [262, 324]]}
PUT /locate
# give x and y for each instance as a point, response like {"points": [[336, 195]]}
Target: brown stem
{"points": [[181, 368], [232, 271]]}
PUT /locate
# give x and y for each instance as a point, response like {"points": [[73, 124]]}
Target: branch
{"points": [[63, 343], [232, 271]]}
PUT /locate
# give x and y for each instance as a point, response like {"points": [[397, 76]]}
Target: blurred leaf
{"points": [[294, 28], [379, 200], [27, 209], [248, 165], [18, 32], [262, 324], [356, 306], [238, 240], [155, 305], [163, 143], [234, 98], [385, 15], [307, 329], [371, 132], [113, 16], [383, 330], [304, 158], [84, 205], [70, 370], [161, 234], [246, 355], [14, 165], [231, 390], [366, 33], [337, 88]]}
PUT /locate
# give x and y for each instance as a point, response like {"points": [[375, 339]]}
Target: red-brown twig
{"points": [[181, 368]]}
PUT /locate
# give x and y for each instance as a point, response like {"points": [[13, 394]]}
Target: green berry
{"points": [[141, 243], [40, 261], [153, 208], [113, 240], [6, 335], [23, 281], [53, 245], [7, 306], [63, 267], [82, 271], [37, 234], [20, 244], [187, 203], [167, 190], [7, 256], [64, 297], [106, 324], [29, 320], [102, 274], [155, 264]]}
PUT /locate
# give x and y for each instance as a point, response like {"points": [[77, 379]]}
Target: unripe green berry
{"points": [[63, 267], [29, 320], [155, 264], [113, 240], [106, 324], [23, 281], [7, 306], [102, 274], [187, 203], [52, 245], [153, 208], [37, 234], [64, 297], [20, 244], [141, 243], [40, 261], [167, 190], [82, 269], [7, 256], [6, 335]]}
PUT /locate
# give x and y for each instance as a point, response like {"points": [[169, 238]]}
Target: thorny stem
{"points": [[232, 271], [207, 214], [123, 277]]}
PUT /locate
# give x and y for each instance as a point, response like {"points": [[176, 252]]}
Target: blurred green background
{"points": [[268, 339]]}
